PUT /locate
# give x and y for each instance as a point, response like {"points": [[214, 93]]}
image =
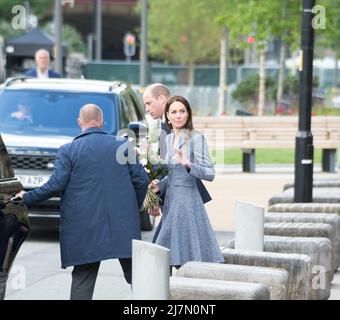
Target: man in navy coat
{"points": [[42, 60], [102, 187]]}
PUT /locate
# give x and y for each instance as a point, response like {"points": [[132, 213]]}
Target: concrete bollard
{"points": [[303, 229], [320, 195], [318, 249], [328, 218], [298, 267], [276, 280], [150, 271], [306, 207], [207, 289], [249, 220], [319, 183]]}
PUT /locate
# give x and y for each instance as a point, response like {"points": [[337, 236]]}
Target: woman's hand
{"points": [[182, 159], [156, 211], [154, 186]]}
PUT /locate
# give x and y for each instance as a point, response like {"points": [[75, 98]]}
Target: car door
{"points": [[14, 223]]}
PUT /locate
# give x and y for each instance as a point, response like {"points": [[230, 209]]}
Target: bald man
{"points": [[102, 188], [42, 60]]}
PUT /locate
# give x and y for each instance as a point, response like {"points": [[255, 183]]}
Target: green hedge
{"points": [[263, 156]]}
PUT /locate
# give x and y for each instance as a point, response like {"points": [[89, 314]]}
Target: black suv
{"points": [[37, 116]]}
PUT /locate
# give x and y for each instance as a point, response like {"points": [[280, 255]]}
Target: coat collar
{"points": [[89, 131]]}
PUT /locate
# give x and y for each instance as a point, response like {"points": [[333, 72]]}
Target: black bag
{"points": [[203, 191], [200, 186]]}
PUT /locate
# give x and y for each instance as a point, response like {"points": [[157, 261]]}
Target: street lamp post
{"points": [[98, 29], [304, 149], [144, 47], [58, 49]]}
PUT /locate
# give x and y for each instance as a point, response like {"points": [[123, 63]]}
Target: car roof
{"points": [[83, 85]]}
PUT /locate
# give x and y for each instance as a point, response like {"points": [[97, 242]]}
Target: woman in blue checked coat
{"points": [[186, 229]]}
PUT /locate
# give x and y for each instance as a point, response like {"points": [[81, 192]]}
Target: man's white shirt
{"points": [[42, 75]]}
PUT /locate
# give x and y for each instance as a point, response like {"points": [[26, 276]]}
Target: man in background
{"points": [[42, 60]]}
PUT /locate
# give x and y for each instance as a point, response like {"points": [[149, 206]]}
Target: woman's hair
{"points": [[188, 125]]}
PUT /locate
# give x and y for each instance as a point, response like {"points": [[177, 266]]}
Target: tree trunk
{"points": [[262, 85], [191, 80], [222, 106], [283, 51], [247, 54], [282, 72]]}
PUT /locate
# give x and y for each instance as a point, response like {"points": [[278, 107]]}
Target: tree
{"points": [[8, 12], [256, 18], [70, 35], [39, 7], [215, 7], [330, 35], [180, 31], [247, 92], [263, 20], [287, 28]]}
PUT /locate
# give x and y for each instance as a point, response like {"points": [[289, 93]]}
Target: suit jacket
{"points": [[165, 130], [33, 73], [100, 198]]}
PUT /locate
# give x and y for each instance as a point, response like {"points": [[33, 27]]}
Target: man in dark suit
{"points": [[102, 187], [155, 97], [42, 60]]}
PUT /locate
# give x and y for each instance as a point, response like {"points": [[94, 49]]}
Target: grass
{"points": [[263, 156]]}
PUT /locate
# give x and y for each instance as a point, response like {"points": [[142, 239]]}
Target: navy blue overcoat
{"points": [[100, 198]]}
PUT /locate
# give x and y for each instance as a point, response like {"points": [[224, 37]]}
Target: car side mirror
{"points": [[140, 129]]}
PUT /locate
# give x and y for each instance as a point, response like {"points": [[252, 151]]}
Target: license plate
{"points": [[32, 181]]}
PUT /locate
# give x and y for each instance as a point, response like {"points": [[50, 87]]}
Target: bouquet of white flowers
{"points": [[156, 169]]}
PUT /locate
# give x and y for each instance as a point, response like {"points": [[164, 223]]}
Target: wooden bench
{"points": [[268, 132]]}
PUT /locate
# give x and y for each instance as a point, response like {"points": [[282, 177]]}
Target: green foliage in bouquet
{"points": [[156, 169]]}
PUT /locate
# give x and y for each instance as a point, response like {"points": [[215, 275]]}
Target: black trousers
{"points": [[84, 278]]}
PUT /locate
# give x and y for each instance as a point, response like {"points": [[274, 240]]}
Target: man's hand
{"points": [[154, 186], [20, 194]]}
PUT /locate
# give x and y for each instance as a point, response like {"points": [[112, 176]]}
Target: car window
{"points": [[128, 112], [138, 107], [56, 112], [125, 112]]}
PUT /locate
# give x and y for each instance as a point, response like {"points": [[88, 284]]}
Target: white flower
{"points": [[144, 162], [147, 171]]}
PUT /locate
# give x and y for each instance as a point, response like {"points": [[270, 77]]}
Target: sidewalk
{"points": [[40, 255]]}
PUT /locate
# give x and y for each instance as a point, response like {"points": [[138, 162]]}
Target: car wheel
{"points": [[147, 221]]}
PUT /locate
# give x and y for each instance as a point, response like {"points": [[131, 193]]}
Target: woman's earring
{"points": [[168, 122]]}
